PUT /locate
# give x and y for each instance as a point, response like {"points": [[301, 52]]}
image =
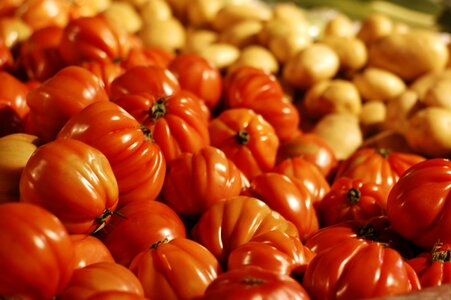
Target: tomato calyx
{"points": [[147, 133], [252, 281], [158, 109], [101, 220], [439, 254], [353, 196], [384, 152], [157, 244], [242, 137]]}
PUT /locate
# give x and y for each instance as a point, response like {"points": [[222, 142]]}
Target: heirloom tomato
{"points": [[107, 71], [36, 253], [65, 94], [419, 204], [246, 138], [252, 282], [43, 13], [6, 57], [175, 269], [137, 162], [14, 94], [116, 295], [89, 250], [72, 180], [147, 56]]}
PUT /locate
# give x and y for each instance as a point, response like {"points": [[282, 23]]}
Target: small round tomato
{"points": [[89, 250]]}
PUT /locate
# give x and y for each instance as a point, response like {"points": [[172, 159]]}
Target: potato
{"points": [[423, 83], [374, 27], [257, 56], [167, 34], [342, 132], [378, 84], [351, 51], [221, 55], [332, 96], [85, 8], [286, 46], [242, 34], [124, 16], [155, 9], [429, 132], [201, 13], [409, 55], [232, 13], [280, 27], [340, 25], [439, 94], [198, 39], [372, 117], [400, 110], [311, 65], [289, 12], [388, 139]]}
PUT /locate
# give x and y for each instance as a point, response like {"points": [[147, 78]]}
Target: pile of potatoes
{"points": [[365, 82]]}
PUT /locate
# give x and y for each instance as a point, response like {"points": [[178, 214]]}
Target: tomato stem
{"points": [[147, 133], [101, 220], [384, 152], [353, 196], [242, 137], [368, 232], [160, 242], [158, 109], [252, 281], [440, 255]]}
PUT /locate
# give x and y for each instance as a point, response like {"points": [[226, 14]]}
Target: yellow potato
{"points": [[340, 25], [400, 110], [167, 34], [257, 56], [439, 94], [351, 51], [374, 27], [155, 9], [201, 13], [221, 55], [286, 46], [372, 117], [378, 84], [232, 13], [123, 15], [423, 83], [242, 34], [198, 39]]}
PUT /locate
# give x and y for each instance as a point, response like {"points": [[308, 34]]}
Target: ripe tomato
{"points": [[36, 254], [197, 75], [293, 202], [137, 162], [137, 226], [6, 57], [89, 250], [177, 123], [147, 56], [252, 282], [107, 71], [251, 87], [116, 295], [54, 102], [8, 7], [246, 139], [98, 277], [418, 205], [13, 93], [235, 221], [175, 269], [43, 13], [196, 181], [72, 180]]}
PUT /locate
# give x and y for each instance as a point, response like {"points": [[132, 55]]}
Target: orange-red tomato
{"points": [[107, 71], [36, 253], [116, 295], [8, 7], [43, 13], [6, 57], [14, 94], [72, 180], [89, 250], [147, 56]]}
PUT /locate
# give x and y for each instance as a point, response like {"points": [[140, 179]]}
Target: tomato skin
{"points": [[253, 282], [196, 74], [137, 162], [56, 100], [164, 269], [107, 71], [89, 250], [14, 94], [43, 13], [419, 221], [137, 226], [72, 180], [293, 202], [36, 254], [116, 295], [101, 276], [147, 56], [6, 57]]}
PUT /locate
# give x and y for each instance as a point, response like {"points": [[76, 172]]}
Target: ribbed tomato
{"points": [[147, 56], [14, 94], [89, 250]]}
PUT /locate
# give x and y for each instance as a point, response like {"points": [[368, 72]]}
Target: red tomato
{"points": [[175, 269], [13, 93], [251, 87], [154, 80], [74, 181], [246, 139], [98, 277], [43, 13], [93, 38], [137, 162], [196, 181], [54, 102], [116, 295], [351, 199], [273, 250], [148, 56], [235, 221], [8, 7], [137, 226], [89, 250], [6, 57], [36, 254], [107, 71], [419, 204], [251, 282], [293, 202], [196, 74], [177, 123]]}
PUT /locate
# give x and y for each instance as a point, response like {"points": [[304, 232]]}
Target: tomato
{"points": [[101, 276], [13, 93], [196, 74], [93, 38], [246, 139], [235, 221], [351, 199], [252, 282], [8, 7], [273, 250], [137, 226], [36, 253], [89, 250], [72, 180], [147, 56], [6, 57], [116, 295], [196, 181], [165, 267], [43, 13], [54, 102], [358, 269], [154, 80], [293, 202], [38, 55], [177, 123], [137, 162], [251, 87], [107, 71], [419, 204]]}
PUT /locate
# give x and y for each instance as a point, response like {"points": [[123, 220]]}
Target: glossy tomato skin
{"points": [[166, 267], [89, 250], [36, 253], [246, 138], [72, 180], [13, 93], [137, 162], [418, 204], [6, 58], [43, 13], [116, 295], [107, 71], [147, 56], [253, 282], [98, 277], [54, 102]]}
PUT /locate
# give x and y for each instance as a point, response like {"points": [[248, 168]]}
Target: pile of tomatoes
{"points": [[130, 172]]}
